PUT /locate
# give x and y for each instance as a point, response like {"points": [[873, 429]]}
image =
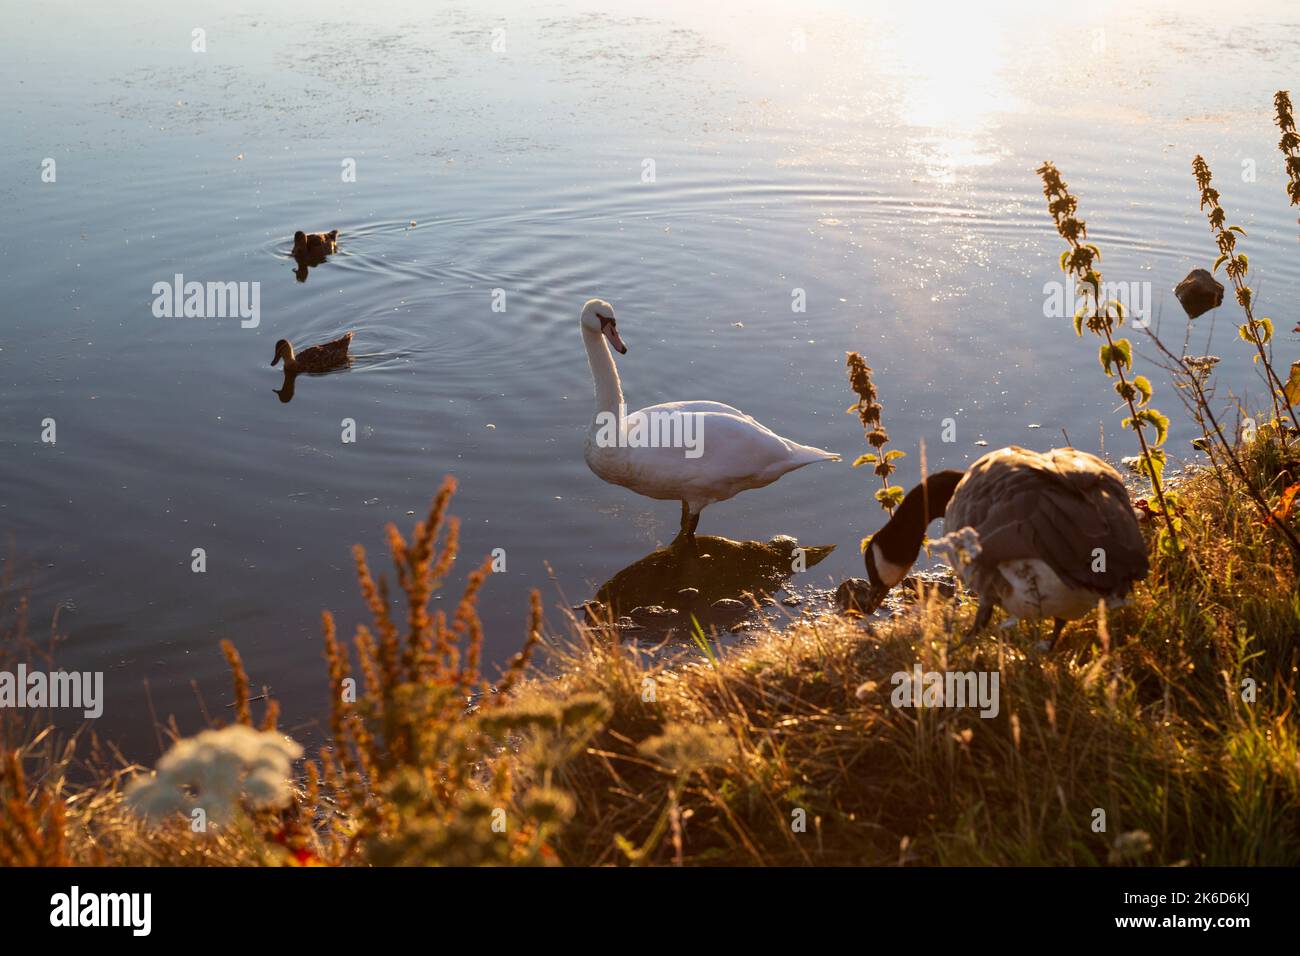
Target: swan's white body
{"points": [[735, 453]]}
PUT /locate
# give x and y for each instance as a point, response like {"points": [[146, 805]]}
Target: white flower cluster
{"points": [[215, 770], [959, 548]]}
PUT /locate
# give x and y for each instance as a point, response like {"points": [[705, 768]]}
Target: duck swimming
{"points": [[1057, 534], [728, 453], [318, 358], [314, 245]]}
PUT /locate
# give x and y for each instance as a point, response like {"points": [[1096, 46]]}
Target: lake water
{"points": [[878, 157]]}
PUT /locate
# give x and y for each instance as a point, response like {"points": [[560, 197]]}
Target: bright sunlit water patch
{"points": [[879, 158], [950, 70]]}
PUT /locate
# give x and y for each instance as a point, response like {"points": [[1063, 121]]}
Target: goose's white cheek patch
{"points": [[889, 572]]}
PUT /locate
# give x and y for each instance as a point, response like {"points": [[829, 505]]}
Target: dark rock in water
{"points": [[728, 609], [852, 594], [1199, 293], [943, 580], [655, 615], [729, 604], [713, 569], [593, 613], [688, 599]]}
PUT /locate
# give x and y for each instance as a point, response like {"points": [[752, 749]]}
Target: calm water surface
{"points": [[886, 168]]}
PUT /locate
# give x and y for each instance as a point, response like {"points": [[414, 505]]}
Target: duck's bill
{"points": [[611, 333]]}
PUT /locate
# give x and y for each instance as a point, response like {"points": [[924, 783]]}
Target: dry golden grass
{"points": [[608, 756], [1141, 715]]}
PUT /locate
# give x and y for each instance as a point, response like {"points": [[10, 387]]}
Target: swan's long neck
{"points": [[609, 393]]}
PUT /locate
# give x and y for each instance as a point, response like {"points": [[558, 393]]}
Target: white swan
{"points": [[714, 452]]}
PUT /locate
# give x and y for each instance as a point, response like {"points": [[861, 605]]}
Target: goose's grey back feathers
{"points": [[1058, 507]]}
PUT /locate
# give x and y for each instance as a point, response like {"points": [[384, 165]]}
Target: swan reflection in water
{"points": [[671, 584]]}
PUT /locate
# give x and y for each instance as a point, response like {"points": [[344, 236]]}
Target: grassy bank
{"points": [[1173, 717], [1140, 715]]}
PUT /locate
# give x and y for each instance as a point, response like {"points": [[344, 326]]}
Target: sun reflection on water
{"points": [[952, 85]]}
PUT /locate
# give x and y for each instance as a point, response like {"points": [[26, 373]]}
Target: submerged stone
{"points": [[715, 568], [728, 607], [655, 614]]}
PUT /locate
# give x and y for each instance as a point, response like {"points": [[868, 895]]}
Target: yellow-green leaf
{"points": [[1158, 421], [1143, 385], [1106, 356], [1292, 387]]}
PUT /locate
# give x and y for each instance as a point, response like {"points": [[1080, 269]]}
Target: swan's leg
{"points": [[686, 521], [1056, 633], [686, 534]]}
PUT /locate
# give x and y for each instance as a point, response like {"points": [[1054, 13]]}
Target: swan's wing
{"points": [[699, 407], [716, 454], [741, 437]]}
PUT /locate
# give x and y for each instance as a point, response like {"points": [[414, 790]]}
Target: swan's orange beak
{"points": [[611, 333]]}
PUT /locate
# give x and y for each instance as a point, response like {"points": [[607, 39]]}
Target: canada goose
{"points": [[721, 451], [314, 245], [318, 358], [1057, 534]]}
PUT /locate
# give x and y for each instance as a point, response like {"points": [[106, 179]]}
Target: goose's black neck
{"points": [[900, 539]]}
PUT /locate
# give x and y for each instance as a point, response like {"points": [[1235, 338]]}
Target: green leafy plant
{"points": [[1289, 144], [1103, 318], [868, 409], [1258, 332]]}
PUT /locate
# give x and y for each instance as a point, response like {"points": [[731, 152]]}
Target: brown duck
{"points": [[318, 358], [314, 245]]}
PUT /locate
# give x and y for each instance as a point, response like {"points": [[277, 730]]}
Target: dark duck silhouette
{"points": [[311, 249], [318, 358], [1057, 534], [314, 245]]}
